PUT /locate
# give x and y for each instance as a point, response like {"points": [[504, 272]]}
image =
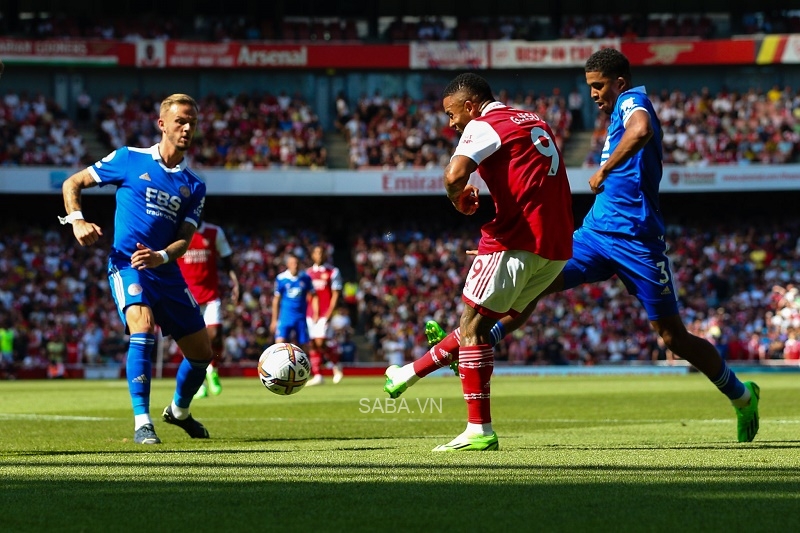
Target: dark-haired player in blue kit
{"points": [[159, 203], [622, 235], [293, 290]]}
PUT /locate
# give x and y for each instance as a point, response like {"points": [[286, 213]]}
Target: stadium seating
{"points": [[737, 285], [235, 131], [702, 129], [398, 132], [36, 131], [400, 29]]}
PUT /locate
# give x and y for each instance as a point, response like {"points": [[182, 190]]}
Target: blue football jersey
{"points": [[152, 200], [629, 203], [294, 291]]}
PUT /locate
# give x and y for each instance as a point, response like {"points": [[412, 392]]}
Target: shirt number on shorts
{"points": [[475, 271], [662, 265], [548, 151]]}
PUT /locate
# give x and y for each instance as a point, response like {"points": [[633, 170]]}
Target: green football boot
{"points": [[394, 386], [476, 443], [747, 416], [214, 386], [435, 335]]}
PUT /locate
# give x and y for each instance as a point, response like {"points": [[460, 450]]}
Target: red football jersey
{"points": [[326, 279], [523, 169], [199, 263]]}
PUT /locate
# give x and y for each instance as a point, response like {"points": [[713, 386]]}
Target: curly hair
{"points": [[476, 87], [609, 62]]}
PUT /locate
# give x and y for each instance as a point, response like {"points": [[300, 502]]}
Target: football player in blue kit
{"points": [[623, 235], [293, 291], [159, 202]]}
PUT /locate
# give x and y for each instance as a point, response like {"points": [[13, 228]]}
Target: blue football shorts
{"points": [[641, 265], [174, 308], [288, 324]]}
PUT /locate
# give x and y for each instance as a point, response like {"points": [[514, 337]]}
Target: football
{"points": [[284, 368]]}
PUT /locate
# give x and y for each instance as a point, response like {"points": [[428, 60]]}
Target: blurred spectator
{"points": [[737, 284], [36, 131], [227, 27], [702, 129], [399, 132], [237, 132]]}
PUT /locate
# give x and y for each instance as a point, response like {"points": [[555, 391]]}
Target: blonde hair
{"points": [[177, 98]]}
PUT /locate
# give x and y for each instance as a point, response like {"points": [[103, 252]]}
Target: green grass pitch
{"points": [[593, 453]]}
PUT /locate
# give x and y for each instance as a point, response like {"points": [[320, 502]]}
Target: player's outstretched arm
{"points": [[86, 233]]}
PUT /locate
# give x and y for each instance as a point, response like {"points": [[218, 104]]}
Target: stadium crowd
{"points": [[54, 25], [399, 132], [244, 131], [35, 131], [260, 131], [702, 129], [739, 288]]}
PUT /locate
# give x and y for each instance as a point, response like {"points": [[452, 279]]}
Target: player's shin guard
{"points": [[138, 370], [475, 366], [440, 355], [191, 374]]}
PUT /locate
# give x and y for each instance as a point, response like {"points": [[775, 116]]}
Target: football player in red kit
{"points": [[328, 284], [210, 247]]}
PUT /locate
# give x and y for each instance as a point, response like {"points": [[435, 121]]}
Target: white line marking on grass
{"points": [[399, 418], [57, 418]]}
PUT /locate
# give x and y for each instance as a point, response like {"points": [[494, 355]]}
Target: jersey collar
{"points": [[492, 107], [157, 157], [638, 89]]}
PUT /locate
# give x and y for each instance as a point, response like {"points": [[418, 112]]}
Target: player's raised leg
{"points": [[744, 396], [444, 352]]}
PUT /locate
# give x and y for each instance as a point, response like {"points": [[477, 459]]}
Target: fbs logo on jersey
{"points": [[145, 177]]}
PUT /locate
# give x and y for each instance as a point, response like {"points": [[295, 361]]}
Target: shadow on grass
{"points": [[759, 444], [547, 499]]}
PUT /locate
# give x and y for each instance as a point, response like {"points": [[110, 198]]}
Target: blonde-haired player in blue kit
{"points": [[622, 235], [159, 204]]}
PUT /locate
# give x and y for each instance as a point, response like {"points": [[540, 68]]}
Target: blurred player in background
{"points": [[209, 247], [158, 206], [294, 291], [521, 250], [623, 235], [327, 282]]}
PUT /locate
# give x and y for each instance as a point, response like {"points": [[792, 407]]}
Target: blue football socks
{"points": [[728, 383], [497, 333], [138, 369], [191, 374]]}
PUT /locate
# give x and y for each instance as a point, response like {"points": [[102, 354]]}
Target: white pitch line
{"points": [[33, 416], [365, 417]]}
